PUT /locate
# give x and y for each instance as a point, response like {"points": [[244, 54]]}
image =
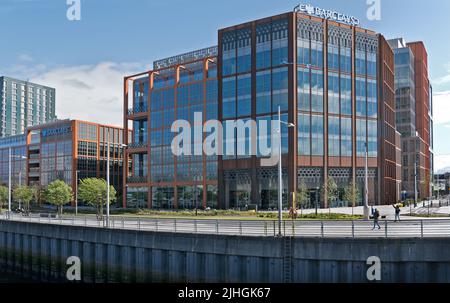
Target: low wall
{"points": [[40, 251]]}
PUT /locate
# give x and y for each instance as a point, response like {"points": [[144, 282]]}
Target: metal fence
{"points": [[289, 228]]}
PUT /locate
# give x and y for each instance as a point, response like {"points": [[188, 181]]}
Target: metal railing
{"points": [[267, 228], [137, 145], [137, 110]]}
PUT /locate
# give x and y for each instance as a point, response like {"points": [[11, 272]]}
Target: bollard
{"points": [[322, 230], [156, 224], [139, 224], [353, 229], [265, 229], [274, 229], [217, 226], [123, 223]]}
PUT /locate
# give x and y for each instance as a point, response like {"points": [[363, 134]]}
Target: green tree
{"points": [[24, 194], [331, 191], [302, 196], [3, 197], [351, 194], [58, 193], [94, 192], [37, 194]]}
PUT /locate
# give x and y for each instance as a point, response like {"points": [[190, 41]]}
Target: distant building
{"points": [[414, 115], [24, 104], [63, 150]]}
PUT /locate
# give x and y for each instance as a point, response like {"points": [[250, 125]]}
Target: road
{"points": [[328, 229]]}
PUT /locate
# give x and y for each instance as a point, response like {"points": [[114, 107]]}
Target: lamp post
{"points": [[366, 184], [107, 175], [280, 170], [415, 174], [9, 177], [76, 192]]}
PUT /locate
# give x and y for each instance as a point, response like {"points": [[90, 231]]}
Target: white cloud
{"points": [[90, 92], [441, 162], [441, 110], [444, 79]]}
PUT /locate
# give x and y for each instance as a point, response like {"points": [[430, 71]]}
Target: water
{"points": [[8, 278]]}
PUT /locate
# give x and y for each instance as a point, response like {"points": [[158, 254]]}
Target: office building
{"points": [[177, 88], [414, 116], [63, 150], [333, 81]]}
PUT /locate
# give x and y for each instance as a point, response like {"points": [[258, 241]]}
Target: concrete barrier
{"points": [[40, 251]]}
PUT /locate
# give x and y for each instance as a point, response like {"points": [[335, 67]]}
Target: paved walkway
{"points": [[411, 228]]}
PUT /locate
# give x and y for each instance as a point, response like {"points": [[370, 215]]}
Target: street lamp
{"points": [[9, 177], [366, 183], [280, 170], [415, 173], [107, 175], [76, 192]]}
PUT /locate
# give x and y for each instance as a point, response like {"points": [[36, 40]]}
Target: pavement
{"points": [[407, 228], [389, 212]]}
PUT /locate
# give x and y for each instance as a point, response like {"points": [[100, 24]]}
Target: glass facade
{"points": [[337, 114], [25, 104], [179, 92]]}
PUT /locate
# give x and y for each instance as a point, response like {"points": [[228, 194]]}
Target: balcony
{"points": [[137, 110], [137, 180], [138, 145]]}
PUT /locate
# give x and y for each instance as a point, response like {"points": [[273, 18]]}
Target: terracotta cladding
{"points": [[422, 85], [388, 155]]}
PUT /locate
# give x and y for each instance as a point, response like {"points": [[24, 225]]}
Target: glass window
{"points": [[361, 137], [346, 95], [244, 92], [317, 135], [229, 53], [303, 51], [304, 129], [229, 98], [304, 86], [280, 89], [244, 51], [333, 93], [317, 91], [279, 42], [263, 46], [346, 137], [263, 92], [333, 136]]}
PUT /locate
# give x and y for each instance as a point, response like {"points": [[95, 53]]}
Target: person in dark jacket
{"points": [[397, 212], [376, 217]]}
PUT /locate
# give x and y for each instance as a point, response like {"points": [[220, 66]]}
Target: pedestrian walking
{"points": [[397, 212], [376, 217]]}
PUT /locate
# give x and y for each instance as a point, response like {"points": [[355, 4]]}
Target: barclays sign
{"points": [[326, 14], [56, 131]]}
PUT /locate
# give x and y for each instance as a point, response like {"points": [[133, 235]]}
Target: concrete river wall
{"points": [[39, 252]]}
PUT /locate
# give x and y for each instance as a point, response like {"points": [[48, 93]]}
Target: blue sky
{"points": [[86, 60]]}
